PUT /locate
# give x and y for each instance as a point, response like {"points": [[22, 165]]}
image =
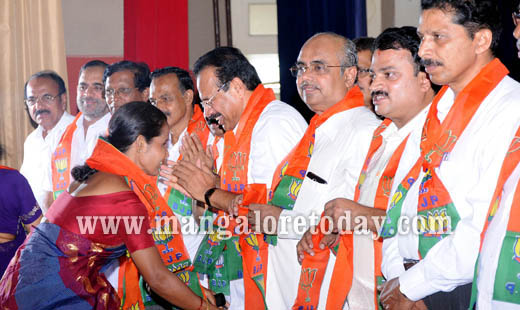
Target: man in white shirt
{"points": [[259, 132], [456, 159], [402, 92], [325, 74], [46, 101], [171, 90], [80, 137]]}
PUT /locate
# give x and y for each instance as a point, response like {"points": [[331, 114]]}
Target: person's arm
{"points": [[165, 283]]}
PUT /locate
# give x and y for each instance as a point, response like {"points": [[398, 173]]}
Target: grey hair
{"points": [[348, 56]]}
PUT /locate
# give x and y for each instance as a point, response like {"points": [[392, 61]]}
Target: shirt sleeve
{"points": [[136, 233], [29, 209], [277, 131]]}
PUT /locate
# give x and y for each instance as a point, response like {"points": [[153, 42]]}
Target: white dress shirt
{"points": [[361, 295], [492, 246], [340, 148], [37, 152], [82, 145], [279, 128], [469, 173]]}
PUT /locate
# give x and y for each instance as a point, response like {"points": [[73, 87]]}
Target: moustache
{"points": [[430, 62], [307, 84], [212, 119], [38, 112], [379, 92]]}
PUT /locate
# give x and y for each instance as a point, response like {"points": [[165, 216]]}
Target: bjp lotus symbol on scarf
{"points": [[516, 249], [252, 241], [307, 278], [61, 166], [294, 189], [163, 237]]}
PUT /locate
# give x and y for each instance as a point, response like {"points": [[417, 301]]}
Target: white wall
{"points": [[407, 13], [93, 27]]}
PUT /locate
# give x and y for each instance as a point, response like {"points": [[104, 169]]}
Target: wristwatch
{"points": [[208, 194]]}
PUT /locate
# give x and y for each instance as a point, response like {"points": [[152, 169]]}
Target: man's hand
{"points": [[343, 213], [392, 298], [305, 245], [194, 180], [193, 151], [261, 212]]}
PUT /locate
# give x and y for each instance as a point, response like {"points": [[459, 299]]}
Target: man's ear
{"points": [[483, 39], [188, 97], [349, 76], [424, 81], [145, 94], [63, 98]]}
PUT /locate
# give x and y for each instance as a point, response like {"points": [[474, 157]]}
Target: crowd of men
{"points": [[405, 179]]}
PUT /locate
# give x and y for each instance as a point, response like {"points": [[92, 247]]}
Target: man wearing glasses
{"points": [[80, 137], [364, 54], [126, 81], [46, 101], [326, 162], [259, 132]]}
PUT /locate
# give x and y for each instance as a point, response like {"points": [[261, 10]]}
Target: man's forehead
{"points": [[122, 76], [207, 78], [92, 74], [434, 20], [42, 82], [318, 50]]}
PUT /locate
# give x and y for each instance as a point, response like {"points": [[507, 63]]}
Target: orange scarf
{"points": [[244, 254], [60, 162], [289, 175], [234, 179], [511, 161], [343, 269], [437, 141], [107, 158]]}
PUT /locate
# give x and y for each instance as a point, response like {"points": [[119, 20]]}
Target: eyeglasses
{"points": [[155, 102], [209, 102], [316, 68], [123, 91], [45, 98], [363, 72]]}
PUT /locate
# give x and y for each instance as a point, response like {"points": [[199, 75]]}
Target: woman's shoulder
{"points": [[101, 183]]}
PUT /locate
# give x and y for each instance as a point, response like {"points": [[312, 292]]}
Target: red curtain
{"points": [[156, 32]]}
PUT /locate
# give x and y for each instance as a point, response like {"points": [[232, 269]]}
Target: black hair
{"points": [[364, 44], [2, 151], [185, 81], [47, 74], [140, 70], [401, 38], [93, 63], [406, 38], [229, 63], [474, 15], [133, 119]]}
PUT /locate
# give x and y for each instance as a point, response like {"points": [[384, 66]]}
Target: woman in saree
{"points": [[102, 217], [19, 210]]}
